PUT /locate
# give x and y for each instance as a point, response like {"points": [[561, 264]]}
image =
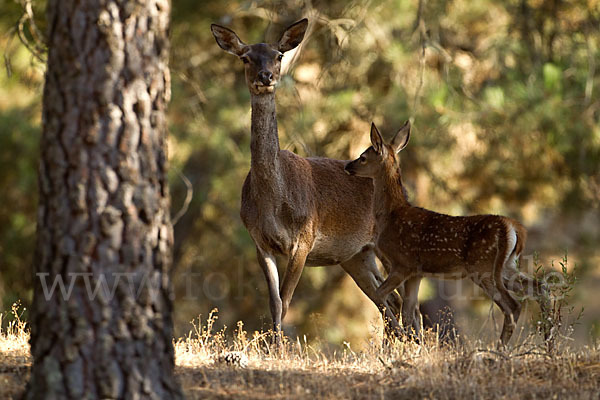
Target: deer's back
{"points": [[441, 244]]}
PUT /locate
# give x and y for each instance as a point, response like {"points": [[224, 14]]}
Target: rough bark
{"points": [[103, 221]]}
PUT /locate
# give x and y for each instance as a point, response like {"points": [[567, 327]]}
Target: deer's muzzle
{"points": [[265, 77], [349, 169]]}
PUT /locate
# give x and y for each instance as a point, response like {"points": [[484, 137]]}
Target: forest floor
{"points": [[214, 365]]}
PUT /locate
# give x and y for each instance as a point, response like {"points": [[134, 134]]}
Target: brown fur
{"points": [[417, 242], [306, 203], [306, 209]]}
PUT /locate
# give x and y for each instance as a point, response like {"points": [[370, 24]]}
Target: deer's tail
{"points": [[521, 237], [511, 248]]}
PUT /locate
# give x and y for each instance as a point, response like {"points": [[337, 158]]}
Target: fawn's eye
{"points": [[363, 159], [280, 57], [245, 59]]}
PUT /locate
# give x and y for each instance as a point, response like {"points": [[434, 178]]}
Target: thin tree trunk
{"points": [[103, 217]]}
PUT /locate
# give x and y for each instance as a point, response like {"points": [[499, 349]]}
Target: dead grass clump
{"points": [[14, 353]]}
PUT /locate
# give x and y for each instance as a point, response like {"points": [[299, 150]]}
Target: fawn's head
{"points": [[380, 155], [262, 61]]}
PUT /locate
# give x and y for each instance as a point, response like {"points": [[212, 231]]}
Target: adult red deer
{"points": [[416, 242], [307, 209]]}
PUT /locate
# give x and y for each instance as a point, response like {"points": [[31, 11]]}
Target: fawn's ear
{"points": [[376, 139], [401, 138], [228, 40], [293, 35]]}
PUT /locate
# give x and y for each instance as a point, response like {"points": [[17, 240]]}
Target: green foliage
{"points": [[552, 77], [19, 141]]}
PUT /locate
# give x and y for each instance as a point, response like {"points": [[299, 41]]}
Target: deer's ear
{"points": [[376, 139], [293, 35], [228, 40], [401, 138]]}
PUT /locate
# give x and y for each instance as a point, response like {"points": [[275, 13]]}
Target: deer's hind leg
{"points": [[363, 269], [524, 285], [509, 306]]}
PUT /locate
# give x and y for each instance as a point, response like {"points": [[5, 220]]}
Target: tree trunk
{"points": [[104, 229]]}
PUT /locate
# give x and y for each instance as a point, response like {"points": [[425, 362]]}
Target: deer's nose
{"points": [[266, 77]]}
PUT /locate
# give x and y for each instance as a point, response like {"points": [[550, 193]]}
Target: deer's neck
{"points": [[389, 193], [264, 141]]}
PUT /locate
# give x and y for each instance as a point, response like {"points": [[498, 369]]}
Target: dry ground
{"points": [[402, 370]]}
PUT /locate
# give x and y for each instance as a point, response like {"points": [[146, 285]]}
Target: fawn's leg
{"points": [[509, 306], [393, 280], [411, 317], [526, 286], [363, 270]]}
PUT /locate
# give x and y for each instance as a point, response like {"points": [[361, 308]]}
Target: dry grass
{"points": [[299, 370], [401, 370], [15, 359]]}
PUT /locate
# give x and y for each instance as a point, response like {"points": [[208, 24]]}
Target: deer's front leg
{"points": [[393, 280], [269, 267], [411, 317], [293, 272], [397, 296], [363, 270]]}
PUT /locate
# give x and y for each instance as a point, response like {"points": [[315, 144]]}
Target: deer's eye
{"points": [[280, 57], [363, 159], [245, 59]]}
